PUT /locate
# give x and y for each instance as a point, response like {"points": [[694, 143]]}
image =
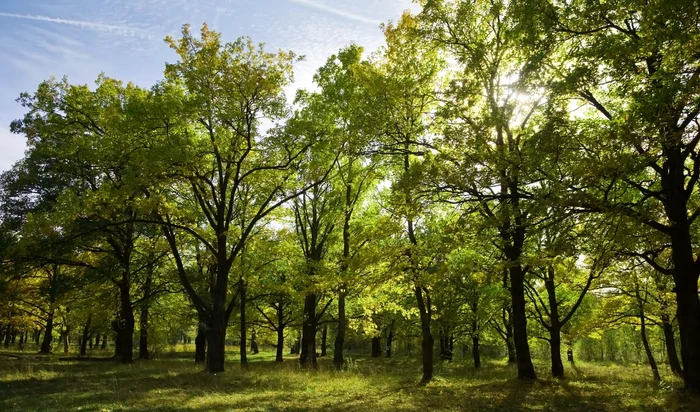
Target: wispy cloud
{"points": [[337, 12], [89, 25]]}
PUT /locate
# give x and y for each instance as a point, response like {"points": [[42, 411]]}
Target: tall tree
{"points": [[224, 166], [634, 63]]}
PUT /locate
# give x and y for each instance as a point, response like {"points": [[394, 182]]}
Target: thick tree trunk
{"points": [[670, 341], [86, 337], [427, 336], [216, 340], [555, 352], [522, 349], [124, 327], [475, 352], [279, 356], [48, 334], [340, 335], [242, 289], [376, 347], [324, 340], [686, 270], [689, 327], [200, 341], [308, 337]]}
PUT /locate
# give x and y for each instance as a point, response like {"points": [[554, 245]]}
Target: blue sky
{"points": [[124, 39]]}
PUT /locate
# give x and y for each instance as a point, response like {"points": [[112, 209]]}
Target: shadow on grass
{"points": [[171, 384]]}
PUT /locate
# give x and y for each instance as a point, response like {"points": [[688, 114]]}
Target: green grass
{"points": [[174, 383]]}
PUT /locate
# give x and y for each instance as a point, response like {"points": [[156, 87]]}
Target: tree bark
{"points": [[200, 341], [670, 342], [308, 337], [555, 326], [555, 352], [216, 340], [647, 349], [242, 289], [526, 370], [475, 352], [86, 337], [8, 337], [104, 342], [48, 334], [324, 337], [254, 343], [390, 339], [126, 322], [145, 309], [427, 337], [376, 347], [279, 356], [340, 335]]}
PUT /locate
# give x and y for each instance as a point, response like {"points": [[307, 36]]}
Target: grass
{"points": [[174, 383]]}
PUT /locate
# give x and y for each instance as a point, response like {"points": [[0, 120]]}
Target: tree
{"points": [[223, 166], [634, 64]]}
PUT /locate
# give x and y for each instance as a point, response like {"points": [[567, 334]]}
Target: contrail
{"points": [[89, 25], [337, 12]]}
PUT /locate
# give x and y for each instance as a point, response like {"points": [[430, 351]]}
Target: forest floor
{"points": [[175, 383]]}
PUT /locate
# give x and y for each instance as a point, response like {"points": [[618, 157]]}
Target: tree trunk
{"points": [[254, 343], [570, 355], [340, 335], [522, 349], [143, 335], [475, 352], [8, 337], [647, 348], [200, 342], [65, 340], [97, 341], [308, 337], [670, 341], [296, 346], [48, 334], [86, 337], [145, 309], [125, 323], [428, 340], [555, 325], [104, 342], [279, 356], [376, 347], [216, 340], [555, 352], [324, 337], [689, 327], [390, 339], [243, 338]]}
